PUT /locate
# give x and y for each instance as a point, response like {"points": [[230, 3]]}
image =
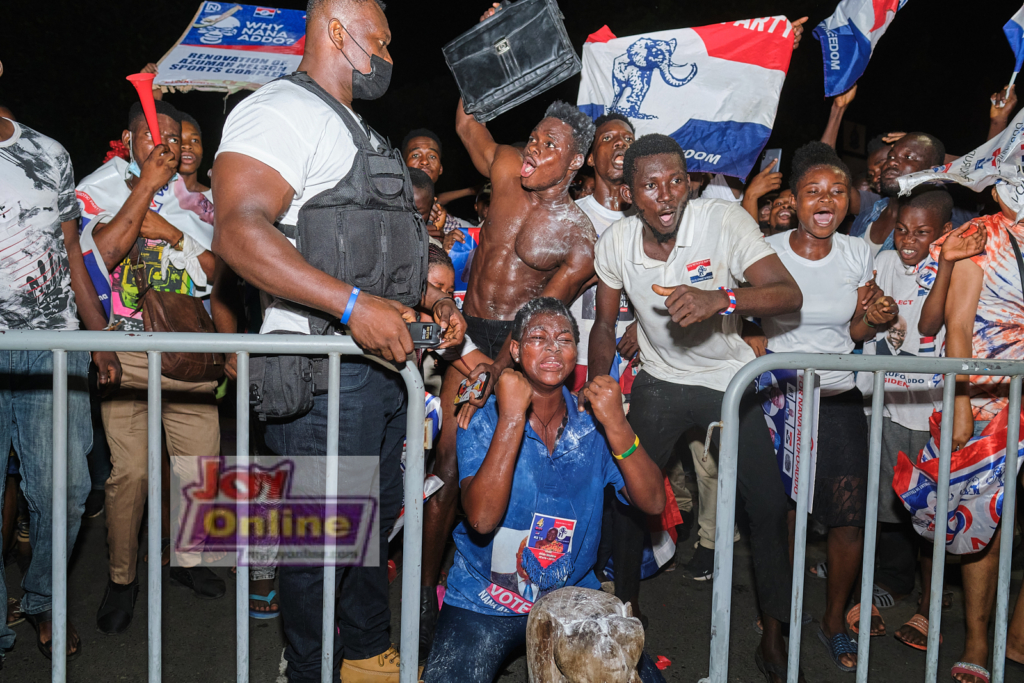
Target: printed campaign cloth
{"points": [[782, 394], [715, 89], [1014, 30], [997, 162], [848, 38], [100, 196], [975, 486], [230, 47]]}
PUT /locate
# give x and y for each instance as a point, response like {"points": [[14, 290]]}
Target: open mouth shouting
{"points": [[618, 157], [187, 158], [667, 216], [529, 167], [824, 218]]}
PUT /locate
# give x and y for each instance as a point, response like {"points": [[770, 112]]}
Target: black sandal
{"points": [[37, 620]]}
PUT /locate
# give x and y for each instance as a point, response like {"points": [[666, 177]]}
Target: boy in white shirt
{"points": [[907, 275]]}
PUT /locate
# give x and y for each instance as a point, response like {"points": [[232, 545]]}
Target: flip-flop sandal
{"points": [[839, 645], [819, 571], [37, 620], [971, 670], [14, 614], [881, 598], [270, 600], [919, 623], [853, 620]]}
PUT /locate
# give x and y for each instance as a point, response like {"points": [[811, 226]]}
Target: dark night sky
{"points": [[65, 64]]}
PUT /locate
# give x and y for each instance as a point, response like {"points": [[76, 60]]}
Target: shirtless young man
{"points": [[535, 242]]}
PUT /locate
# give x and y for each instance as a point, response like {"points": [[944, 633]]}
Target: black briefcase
{"points": [[511, 57]]}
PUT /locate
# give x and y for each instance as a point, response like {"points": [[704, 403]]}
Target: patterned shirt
{"points": [[999, 322], [37, 194]]}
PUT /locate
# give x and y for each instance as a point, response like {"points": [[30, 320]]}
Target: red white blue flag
{"points": [[1014, 31], [848, 38], [715, 89]]}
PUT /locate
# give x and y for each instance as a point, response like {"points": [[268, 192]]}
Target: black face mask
{"points": [[374, 84]]}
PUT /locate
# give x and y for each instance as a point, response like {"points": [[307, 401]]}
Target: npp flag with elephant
{"points": [[715, 89]]}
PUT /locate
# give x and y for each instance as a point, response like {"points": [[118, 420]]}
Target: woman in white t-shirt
{"points": [[833, 272]]}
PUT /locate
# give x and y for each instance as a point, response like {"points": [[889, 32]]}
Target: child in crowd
{"points": [[907, 275]]}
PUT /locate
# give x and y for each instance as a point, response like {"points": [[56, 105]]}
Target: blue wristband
{"points": [[349, 306]]}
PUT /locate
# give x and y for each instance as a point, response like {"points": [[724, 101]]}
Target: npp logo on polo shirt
{"points": [[699, 271]]}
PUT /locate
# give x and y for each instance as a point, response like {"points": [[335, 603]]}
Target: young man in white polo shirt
{"points": [[680, 263]]}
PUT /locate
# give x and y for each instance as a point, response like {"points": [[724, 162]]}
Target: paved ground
{"points": [[199, 635]]}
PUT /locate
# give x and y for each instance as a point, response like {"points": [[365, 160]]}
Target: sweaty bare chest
{"points": [[544, 244]]}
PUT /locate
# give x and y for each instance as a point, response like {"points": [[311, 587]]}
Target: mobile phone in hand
{"points": [[425, 335], [469, 391], [769, 154]]}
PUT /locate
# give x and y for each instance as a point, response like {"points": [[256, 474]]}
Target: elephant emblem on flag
{"points": [[632, 73]]}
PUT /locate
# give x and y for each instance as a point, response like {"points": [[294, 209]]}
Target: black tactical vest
{"points": [[364, 231]]}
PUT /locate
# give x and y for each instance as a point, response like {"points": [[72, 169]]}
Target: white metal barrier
{"points": [[726, 513], [242, 345]]}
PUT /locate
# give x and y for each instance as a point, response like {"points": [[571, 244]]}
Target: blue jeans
{"points": [[470, 647], [26, 419], [372, 422]]}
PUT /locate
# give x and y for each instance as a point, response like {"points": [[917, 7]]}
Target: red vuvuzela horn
{"points": [[144, 86]]}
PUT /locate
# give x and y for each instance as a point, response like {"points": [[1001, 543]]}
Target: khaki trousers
{"points": [[191, 428], [706, 470]]}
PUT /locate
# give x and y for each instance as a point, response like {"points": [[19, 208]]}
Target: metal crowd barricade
{"points": [[242, 345], [727, 469]]}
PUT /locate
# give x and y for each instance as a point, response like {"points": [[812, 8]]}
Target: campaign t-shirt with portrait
{"points": [[910, 398], [829, 286], [37, 194], [584, 309], [297, 134], [717, 242], [550, 532]]}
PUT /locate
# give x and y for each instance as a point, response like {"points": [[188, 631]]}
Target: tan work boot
{"points": [[380, 669]]}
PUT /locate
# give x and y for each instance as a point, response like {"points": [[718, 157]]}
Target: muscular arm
{"points": [[601, 351], [960, 312], [250, 196], [249, 201], [774, 291], [477, 139]]}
